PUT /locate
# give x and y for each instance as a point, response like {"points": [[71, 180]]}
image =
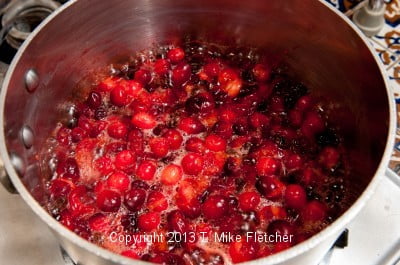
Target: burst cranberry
{"points": [[230, 82], [161, 66], [200, 103], [261, 73], [157, 202], [228, 115], [191, 125], [78, 134], [60, 188], [215, 143], [118, 96], [159, 146], [149, 221], [104, 165], [125, 159], [119, 181], [80, 202], [117, 130], [68, 169], [196, 145], [215, 207], [329, 157], [180, 74], [174, 138], [259, 120], [171, 174], [143, 120], [270, 187], [248, 201], [99, 222], [176, 55], [192, 164], [146, 170], [267, 166], [64, 136], [107, 84], [314, 211], [134, 199], [177, 222], [312, 124], [295, 196], [94, 100], [143, 76], [108, 201], [243, 250], [212, 69]]}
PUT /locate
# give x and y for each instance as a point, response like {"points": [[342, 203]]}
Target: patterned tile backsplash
{"points": [[387, 46]]}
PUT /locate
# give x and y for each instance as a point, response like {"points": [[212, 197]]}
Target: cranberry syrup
{"points": [[213, 151]]}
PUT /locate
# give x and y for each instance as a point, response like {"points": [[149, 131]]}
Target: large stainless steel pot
{"points": [[320, 45]]}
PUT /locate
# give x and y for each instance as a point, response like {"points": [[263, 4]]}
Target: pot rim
{"points": [[292, 252]]}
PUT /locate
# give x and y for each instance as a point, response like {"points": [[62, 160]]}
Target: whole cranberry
{"points": [[94, 100], [174, 138], [329, 157], [159, 146], [161, 66], [143, 76], [192, 164], [146, 170], [191, 125], [180, 74], [118, 96], [176, 55], [295, 196], [119, 181], [304, 103], [261, 72], [312, 124], [212, 69], [215, 207], [125, 160], [294, 161], [171, 174], [157, 202], [68, 169], [144, 120], [177, 222], [195, 144], [267, 166], [270, 186], [134, 199], [149, 221], [223, 128], [191, 209], [78, 134], [117, 130], [314, 211], [200, 103], [108, 201], [248, 201], [215, 143]]}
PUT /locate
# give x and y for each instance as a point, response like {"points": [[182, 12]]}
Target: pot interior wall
{"points": [[319, 47]]}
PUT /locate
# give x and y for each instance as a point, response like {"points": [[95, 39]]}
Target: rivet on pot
{"points": [[27, 136], [31, 80], [17, 163]]}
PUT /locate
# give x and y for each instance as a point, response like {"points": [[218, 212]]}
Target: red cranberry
{"points": [[159, 146], [125, 159], [118, 96], [78, 134], [171, 174], [117, 130], [146, 170], [280, 227], [94, 100], [161, 66], [259, 120], [191, 209], [241, 127], [294, 161], [223, 129], [149, 221], [296, 117], [107, 84], [64, 136], [130, 253], [270, 187], [314, 211], [80, 202], [68, 169], [133, 89], [99, 222], [191, 125], [215, 207], [134, 199], [267, 166], [243, 250], [215, 143], [119, 181], [143, 120], [230, 82], [295, 196], [174, 138], [176, 55], [177, 222], [228, 115], [139, 184], [196, 145], [248, 201], [277, 104], [271, 212], [157, 202], [143, 76], [261, 73], [108, 201], [329, 157], [312, 124], [304, 103], [200, 103], [180, 74], [136, 141], [192, 164], [60, 188]]}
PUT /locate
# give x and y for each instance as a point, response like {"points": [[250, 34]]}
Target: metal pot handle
{"points": [[5, 180]]}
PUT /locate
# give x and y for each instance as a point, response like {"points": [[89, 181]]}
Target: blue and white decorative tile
{"points": [[389, 38]]}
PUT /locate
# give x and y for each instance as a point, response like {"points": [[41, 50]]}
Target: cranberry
{"points": [[248, 201], [176, 55], [107, 84], [296, 118], [304, 103], [129, 222], [329, 157], [259, 120], [64, 136], [139, 184], [68, 169], [295, 196], [146, 170], [267, 166], [280, 227], [261, 73], [215, 143], [215, 207], [243, 250], [117, 130], [161, 66], [277, 104], [78, 134], [134, 199], [191, 125], [130, 253], [230, 82], [270, 187], [314, 211], [118, 96], [108, 201], [94, 100], [294, 161], [159, 146], [212, 69], [99, 222], [272, 212], [171, 174], [241, 128], [149, 221], [157, 202], [223, 129], [143, 120], [196, 145], [180, 74], [119, 181], [125, 159], [143, 76], [177, 222], [174, 138], [192, 164], [200, 103], [60, 188], [312, 124], [191, 209]]}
